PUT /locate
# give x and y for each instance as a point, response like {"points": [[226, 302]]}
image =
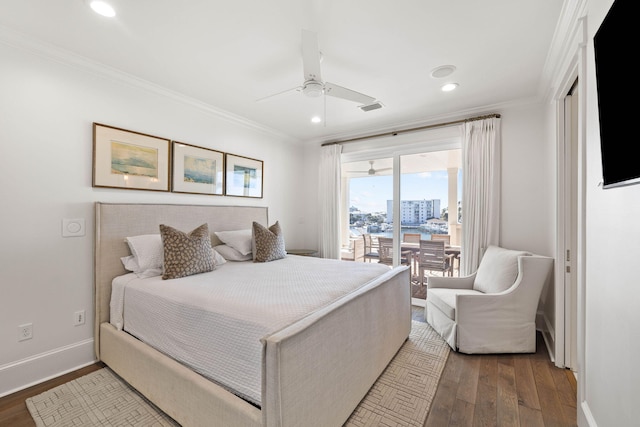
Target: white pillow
{"points": [[130, 263], [147, 251], [217, 258], [232, 254], [237, 239]]}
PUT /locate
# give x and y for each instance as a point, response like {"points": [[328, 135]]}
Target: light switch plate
{"points": [[73, 227]]}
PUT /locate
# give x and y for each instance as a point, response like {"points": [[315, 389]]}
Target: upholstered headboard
{"points": [[117, 221]]}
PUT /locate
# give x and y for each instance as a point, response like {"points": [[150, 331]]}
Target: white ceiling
{"points": [[411, 163], [228, 54]]}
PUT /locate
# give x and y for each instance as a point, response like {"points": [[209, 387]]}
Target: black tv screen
{"points": [[613, 46]]}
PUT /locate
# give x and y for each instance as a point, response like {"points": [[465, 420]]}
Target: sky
{"points": [[370, 193]]}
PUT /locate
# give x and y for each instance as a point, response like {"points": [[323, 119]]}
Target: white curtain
{"points": [[480, 190], [329, 201]]}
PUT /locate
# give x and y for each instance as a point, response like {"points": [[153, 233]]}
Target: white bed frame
{"points": [[314, 372]]}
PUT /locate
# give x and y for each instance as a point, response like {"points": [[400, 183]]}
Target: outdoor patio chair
{"points": [[432, 257], [370, 251], [445, 237], [385, 250]]}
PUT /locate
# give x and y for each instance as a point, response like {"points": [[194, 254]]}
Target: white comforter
{"points": [[213, 322]]}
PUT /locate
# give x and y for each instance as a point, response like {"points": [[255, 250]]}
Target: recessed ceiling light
{"points": [[449, 87], [316, 119], [102, 8], [442, 71]]}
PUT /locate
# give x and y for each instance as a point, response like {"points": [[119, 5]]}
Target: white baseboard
{"points": [[33, 370], [585, 417], [548, 333]]}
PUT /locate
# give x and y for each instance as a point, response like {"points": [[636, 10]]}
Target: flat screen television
{"points": [[614, 48]]}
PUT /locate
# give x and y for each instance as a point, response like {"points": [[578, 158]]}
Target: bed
{"points": [[313, 370]]}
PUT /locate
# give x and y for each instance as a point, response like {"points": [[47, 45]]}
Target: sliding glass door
{"points": [[401, 197], [367, 190]]}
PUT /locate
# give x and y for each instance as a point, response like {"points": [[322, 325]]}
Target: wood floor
{"points": [[479, 390], [503, 390]]}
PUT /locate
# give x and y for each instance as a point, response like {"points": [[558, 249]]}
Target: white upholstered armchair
{"points": [[494, 309]]}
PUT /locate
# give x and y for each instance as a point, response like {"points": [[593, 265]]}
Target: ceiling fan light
{"points": [[316, 119], [449, 87], [313, 89], [102, 8]]}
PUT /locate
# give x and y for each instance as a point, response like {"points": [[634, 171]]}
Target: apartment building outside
{"points": [[414, 212]]}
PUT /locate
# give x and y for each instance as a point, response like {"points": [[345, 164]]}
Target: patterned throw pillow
{"points": [[268, 243], [186, 254]]}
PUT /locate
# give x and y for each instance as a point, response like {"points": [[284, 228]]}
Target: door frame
{"points": [[575, 72]]}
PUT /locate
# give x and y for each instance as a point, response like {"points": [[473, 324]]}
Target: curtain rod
{"points": [[398, 132]]}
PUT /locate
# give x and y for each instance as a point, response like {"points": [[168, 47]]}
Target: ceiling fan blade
{"points": [[310, 56], [297, 88], [334, 90], [383, 169]]}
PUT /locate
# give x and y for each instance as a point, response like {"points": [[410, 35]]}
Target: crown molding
{"points": [[53, 53], [568, 37]]}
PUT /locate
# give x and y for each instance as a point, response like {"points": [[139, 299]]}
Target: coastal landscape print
{"points": [[136, 160], [130, 160], [199, 170], [244, 177]]}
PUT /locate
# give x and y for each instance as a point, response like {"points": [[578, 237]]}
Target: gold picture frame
{"points": [[130, 160], [243, 176], [197, 170]]}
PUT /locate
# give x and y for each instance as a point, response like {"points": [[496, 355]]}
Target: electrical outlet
{"points": [[25, 332], [78, 318]]}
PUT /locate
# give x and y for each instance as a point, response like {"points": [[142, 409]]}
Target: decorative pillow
{"points": [[498, 269], [231, 254], [237, 239], [269, 243], [186, 254]]}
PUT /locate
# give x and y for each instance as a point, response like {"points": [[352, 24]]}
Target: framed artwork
{"points": [[197, 170], [129, 160], [243, 177]]}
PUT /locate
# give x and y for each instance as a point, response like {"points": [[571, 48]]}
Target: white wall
{"points": [[528, 181], [46, 113], [611, 380]]}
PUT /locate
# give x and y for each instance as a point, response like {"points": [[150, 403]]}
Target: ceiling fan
{"points": [[371, 170], [313, 86]]}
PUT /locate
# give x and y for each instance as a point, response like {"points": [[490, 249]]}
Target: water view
{"points": [[388, 232]]}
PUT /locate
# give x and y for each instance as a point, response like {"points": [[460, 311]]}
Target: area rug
{"points": [[100, 398], [401, 396]]}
